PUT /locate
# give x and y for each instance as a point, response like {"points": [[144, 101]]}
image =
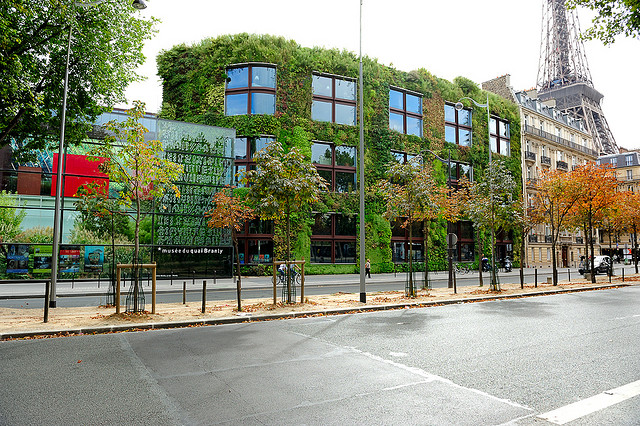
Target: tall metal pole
{"points": [[493, 242], [56, 209], [363, 293]]}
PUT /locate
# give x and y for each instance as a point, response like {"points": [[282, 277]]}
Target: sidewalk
{"points": [[28, 323]]}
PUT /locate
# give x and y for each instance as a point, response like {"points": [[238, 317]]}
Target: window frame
{"points": [[334, 168], [334, 100], [498, 137], [458, 126], [405, 113], [248, 161], [250, 89]]}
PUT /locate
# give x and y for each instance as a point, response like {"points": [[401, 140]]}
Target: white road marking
{"points": [[399, 354], [598, 402]]}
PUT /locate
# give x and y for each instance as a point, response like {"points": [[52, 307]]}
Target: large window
{"points": [[405, 111], [500, 136], [459, 171], [336, 164], [465, 248], [457, 125], [251, 89], [245, 150], [333, 238], [334, 99]]}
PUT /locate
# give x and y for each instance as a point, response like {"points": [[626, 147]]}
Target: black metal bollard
{"points": [[536, 278], [193, 278], [569, 274], [204, 295], [184, 292], [623, 274]]}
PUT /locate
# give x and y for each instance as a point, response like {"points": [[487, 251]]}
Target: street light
{"points": [[57, 212], [363, 293], [458, 107]]}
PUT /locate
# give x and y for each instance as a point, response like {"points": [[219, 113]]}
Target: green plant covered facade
{"points": [[194, 85]]}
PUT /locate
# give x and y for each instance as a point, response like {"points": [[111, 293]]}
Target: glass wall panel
{"points": [[263, 103], [494, 144], [321, 224], [240, 149], [492, 126], [414, 104], [449, 113], [345, 251], [345, 182], [321, 154], [467, 252], [396, 99], [345, 114], [237, 78], [464, 137], [326, 175], [260, 226], [505, 147], [260, 251], [236, 104], [414, 126], [464, 117], [504, 129], [321, 111], [450, 134], [322, 86], [396, 122], [320, 251], [263, 77], [258, 144], [346, 156], [346, 90], [345, 225], [398, 252]]}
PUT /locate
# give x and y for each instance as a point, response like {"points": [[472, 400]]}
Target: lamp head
{"points": [[139, 4], [459, 106]]}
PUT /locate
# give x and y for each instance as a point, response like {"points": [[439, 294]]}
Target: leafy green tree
{"points": [[491, 204], [282, 184], [230, 212], [106, 47], [139, 169], [11, 216], [613, 17], [413, 196]]}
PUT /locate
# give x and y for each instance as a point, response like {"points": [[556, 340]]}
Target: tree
{"points": [[106, 47], [491, 203], [412, 196], [11, 216], [613, 17], [596, 187], [556, 195], [627, 217], [230, 212], [523, 222], [283, 183], [137, 166]]}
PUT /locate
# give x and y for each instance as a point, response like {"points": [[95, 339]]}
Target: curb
{"points": [[290, 315]]}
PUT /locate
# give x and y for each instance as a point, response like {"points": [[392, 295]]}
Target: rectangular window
{"points": [[500, 135], [405, 112], [457, 127], [629, 174], [250, 89], [336, 165], [629, 160], [334, 99], [245, 150]]}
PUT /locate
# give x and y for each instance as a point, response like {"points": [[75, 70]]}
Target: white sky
{"points": [[479, 40]]}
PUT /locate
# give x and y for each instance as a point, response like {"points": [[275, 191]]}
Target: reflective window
{"points": [[240, 148], [405, 112], [321, 251], [500, 137], [346, 156], [457, 128], [345, 225], [245, 151], [321, 224], [321, 154], [334, 99], [250, 89], [345, 182], [258, 144], [345, 252], [336, 164]]}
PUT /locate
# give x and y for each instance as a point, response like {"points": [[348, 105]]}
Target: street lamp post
{"points": [[57, 211], [458, 107], [363, 293]]}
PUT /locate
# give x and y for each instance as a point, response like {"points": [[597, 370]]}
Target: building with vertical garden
{"points": [[272, 90]]}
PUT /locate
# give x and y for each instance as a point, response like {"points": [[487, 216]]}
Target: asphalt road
{"points": [[490, 363], [88, 293]]}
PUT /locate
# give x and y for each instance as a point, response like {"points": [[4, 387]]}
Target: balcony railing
{"points": [[545, 160], [531, 156], [562, 165], [579, 240], [548, 239], [533, 238], [551, 137]]}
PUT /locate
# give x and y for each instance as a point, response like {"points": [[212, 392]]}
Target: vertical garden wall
{"points": [[194, 77]]}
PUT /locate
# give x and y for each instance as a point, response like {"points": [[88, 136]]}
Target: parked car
{"points": [[601, 265]]}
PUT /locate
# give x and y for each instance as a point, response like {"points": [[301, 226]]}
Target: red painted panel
{"points": [[79, 170]]}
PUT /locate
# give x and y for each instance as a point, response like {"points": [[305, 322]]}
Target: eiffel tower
{"points": [[563, 74]]}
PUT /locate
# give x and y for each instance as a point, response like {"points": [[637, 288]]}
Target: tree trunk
{"points": [[634, 249], [593, 261], [610, 253], [426, 254], [480, 256], [136, 255], [522, 255], [239, 282]]}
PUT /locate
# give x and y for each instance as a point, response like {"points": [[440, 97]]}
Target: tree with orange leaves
{"points": [[557, 193], [627, 218], [597, 189], [231, 213]]}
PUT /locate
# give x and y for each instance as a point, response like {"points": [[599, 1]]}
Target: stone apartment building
{"points": [[551, 139]]}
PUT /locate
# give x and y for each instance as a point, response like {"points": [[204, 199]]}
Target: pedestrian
{"points": [[367, 269]]}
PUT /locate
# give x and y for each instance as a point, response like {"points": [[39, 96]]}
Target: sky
{"points": [[479, 40]]}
